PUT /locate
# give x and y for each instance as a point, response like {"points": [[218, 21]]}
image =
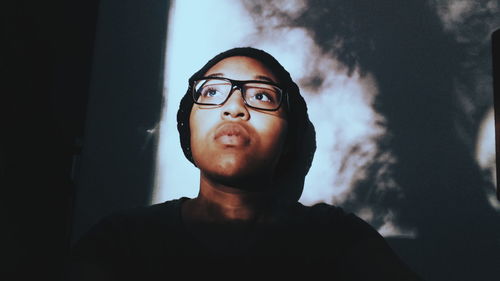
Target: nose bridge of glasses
{"points": [[235, 87], [230, 96]]}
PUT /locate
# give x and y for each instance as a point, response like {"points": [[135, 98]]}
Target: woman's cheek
{"points": [[275, 134]]}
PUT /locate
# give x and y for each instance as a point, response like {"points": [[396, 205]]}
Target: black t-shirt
{"points": [[152, 243]]}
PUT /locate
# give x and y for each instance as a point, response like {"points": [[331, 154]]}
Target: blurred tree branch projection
{"points": [[432, 66]]}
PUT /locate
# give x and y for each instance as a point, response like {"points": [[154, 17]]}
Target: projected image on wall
{"points": [[401, 99]]}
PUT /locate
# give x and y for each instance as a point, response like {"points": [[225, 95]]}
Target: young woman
{"points": [[244, 124]]}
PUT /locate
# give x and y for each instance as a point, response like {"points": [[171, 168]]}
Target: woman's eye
{"points": [[262, 97], [210, 92]]}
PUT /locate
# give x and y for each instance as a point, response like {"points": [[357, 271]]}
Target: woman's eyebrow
{"points": [[257, 77], [265, 78], [218, 74]]}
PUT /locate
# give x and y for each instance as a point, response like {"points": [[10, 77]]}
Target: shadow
{"points": [[422, 72]]}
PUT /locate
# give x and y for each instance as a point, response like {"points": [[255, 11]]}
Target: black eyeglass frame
{"points": [[238, 84]]}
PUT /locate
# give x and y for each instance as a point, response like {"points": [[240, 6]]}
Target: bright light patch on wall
{"points": [[486, 157], [196, 32], [340, 108]]}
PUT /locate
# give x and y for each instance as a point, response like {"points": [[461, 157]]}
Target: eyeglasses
{"points": [[257, 94]]}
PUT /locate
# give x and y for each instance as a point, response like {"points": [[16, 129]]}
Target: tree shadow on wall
{"points": [[440, 188]]}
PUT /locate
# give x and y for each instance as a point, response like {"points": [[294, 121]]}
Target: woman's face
{"points": [[233, 142]]}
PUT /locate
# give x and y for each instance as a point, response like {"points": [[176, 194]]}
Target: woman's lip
{"points": [[233, 140], [232, 134]]}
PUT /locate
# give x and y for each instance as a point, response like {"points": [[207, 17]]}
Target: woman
{"points": [[243, 123]]}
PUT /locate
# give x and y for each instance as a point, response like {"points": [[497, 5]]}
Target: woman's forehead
{"points": [[242, 68]]}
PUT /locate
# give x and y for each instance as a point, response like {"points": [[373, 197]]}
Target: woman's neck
{"points": [[220, 203]]}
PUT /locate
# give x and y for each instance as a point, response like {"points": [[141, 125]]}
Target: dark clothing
{"points": [[152, 243]]}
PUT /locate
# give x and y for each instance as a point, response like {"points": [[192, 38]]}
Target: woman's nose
{"points": [[235, 106]]}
